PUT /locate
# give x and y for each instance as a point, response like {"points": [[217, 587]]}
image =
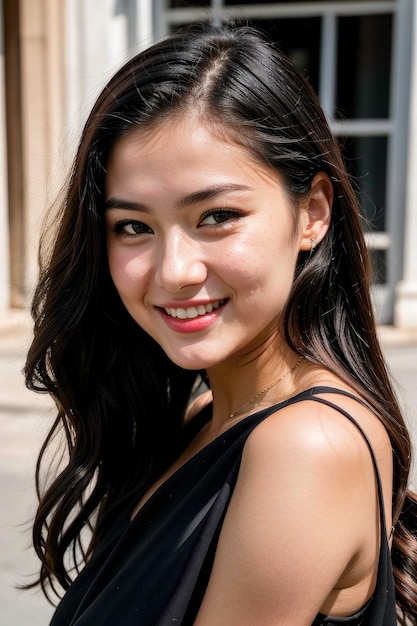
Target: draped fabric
{"points": [[153, 570]]}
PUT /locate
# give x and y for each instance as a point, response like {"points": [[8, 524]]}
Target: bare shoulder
{"points": [[305, 508], [312, 442], [319, 460], [309, 427]]}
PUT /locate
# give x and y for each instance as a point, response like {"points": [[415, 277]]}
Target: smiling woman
{"points": [[210, 233], [187, 259]]}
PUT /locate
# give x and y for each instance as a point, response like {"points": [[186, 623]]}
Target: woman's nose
{"points": [[179, 263]]}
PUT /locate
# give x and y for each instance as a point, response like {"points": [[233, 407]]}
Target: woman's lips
{"points": [[192, 319]]}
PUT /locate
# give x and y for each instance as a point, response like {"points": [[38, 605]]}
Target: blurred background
{"points": [[360, 57], [56, 55]]}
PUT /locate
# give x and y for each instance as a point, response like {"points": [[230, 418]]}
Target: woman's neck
{"points": [[260, 377]]}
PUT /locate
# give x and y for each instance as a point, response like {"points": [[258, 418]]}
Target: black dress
{"points": [[153, 570]]}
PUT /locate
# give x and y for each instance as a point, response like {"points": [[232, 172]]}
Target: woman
{"points": [[209, 232]]}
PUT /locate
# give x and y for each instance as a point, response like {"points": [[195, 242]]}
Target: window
{"points": [[353, 53]]}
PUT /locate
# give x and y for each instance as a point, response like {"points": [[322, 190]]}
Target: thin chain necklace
{"points": [[265, 389]]}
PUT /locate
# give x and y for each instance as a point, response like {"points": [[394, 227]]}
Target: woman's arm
{"points": [[301, 535]]}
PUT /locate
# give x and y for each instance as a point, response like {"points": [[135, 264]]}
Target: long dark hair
{"points": [[120, 400]]}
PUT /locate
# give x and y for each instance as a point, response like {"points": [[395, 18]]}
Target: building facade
{"points": [[360, 56]]}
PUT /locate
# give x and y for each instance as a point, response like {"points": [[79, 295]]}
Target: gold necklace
{"points": [[265, 389]]}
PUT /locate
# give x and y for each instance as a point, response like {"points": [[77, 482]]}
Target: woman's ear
{"points": [[316, 212]]}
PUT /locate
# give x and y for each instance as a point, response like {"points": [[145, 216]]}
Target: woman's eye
{"points": [[130, 228], [219, 216]]}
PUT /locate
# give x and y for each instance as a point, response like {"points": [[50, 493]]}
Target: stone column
{"points": [[42, 118], [4, 218], [405, 310]]}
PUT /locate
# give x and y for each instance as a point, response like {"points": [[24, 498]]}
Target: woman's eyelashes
{"points": [[216, 217], [131, 228], [212, 218]]}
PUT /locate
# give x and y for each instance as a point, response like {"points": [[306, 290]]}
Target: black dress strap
{"points": [[381, 610]]}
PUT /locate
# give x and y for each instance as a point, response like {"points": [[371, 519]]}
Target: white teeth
{"points": [[193, 311]]}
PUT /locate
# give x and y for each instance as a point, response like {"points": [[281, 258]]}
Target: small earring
{"points": [[313, 245]]}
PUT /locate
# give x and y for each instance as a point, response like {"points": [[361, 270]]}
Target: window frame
{"points": [[394, 127]]}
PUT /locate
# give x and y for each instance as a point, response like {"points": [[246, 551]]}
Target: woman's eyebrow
{"points": [[189, 199], [212, 192], [116, 203]]}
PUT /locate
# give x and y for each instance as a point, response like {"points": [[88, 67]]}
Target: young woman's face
{"points": [[201, 241]]}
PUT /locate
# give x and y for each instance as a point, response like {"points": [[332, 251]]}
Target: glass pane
{"points": [[174, 27], [364, 59], [230, 2], [366, 161], [300, 39], [185, 4]]}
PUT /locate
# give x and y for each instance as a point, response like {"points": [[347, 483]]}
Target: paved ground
{"points": [[22, 423], [24, 419]]}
